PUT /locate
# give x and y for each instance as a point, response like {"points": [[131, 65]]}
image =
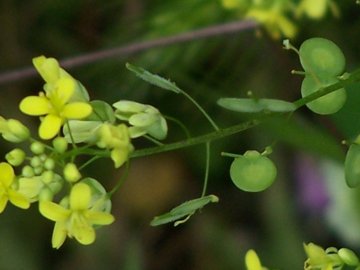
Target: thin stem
{"points": [[91, 160], [70, 134], [153, 140], [226, 154], [136, 47], [121, 180], [180, 124], [207, 166], [200, 109]]}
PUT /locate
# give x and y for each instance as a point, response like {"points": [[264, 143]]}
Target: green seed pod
{"points": [[328, 104], [322, 57], [253, 172], [37, 148], [348, 257], [352, 166]]}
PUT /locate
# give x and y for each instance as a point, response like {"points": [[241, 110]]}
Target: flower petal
{"points": [[6, 174], [3, 202], [64, 90], [84, 234], [252, 261], [35, 105], [30, 187], [48, 68], [59, 235], [80, 197], [76, 110], [50, 126], [18, 199], [53, 211], [99, 218]]}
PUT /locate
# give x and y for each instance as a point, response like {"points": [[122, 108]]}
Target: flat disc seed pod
{"points": [[322, 57], [252, 172], [352, 166], [328, 104]]}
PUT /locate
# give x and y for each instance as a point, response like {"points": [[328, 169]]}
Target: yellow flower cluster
{"points": [[278, 16], [74, 125]]}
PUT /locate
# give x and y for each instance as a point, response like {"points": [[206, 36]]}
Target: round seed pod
{"points": [[322, 57], [328, 104], [352, 166], [253, 172]]}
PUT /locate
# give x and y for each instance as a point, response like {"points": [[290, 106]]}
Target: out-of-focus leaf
{"points": [[153, 78], [250, 105], [185, 209]]}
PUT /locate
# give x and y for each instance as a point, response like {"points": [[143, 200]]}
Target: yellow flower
{"points": [[56, 106], [117, 139], [7, 193], [274, 20], [317, 258], [252, 261], [77, 219]]}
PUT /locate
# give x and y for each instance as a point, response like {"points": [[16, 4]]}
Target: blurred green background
{"points": [[308, 202]]}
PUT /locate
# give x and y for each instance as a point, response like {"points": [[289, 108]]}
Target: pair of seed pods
{"points": [[322, 61]]}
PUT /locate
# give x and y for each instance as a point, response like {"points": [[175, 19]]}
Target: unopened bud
{"points": [[15, 157], [60, 144], [37, 148], [71, 173]]}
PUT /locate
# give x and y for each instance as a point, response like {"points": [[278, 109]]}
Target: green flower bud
{"points": [[37, 148], [47, 176], [43, 157], [13, 131], [348, 257], [38, 170], [60, 144], [49, 164], [15, 157], [46, 195], [27, 171], [35, 162], [71, 172]]}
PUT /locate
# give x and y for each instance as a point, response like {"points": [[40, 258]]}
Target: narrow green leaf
{"points": [[153, 78], [165, 218], [188, 207], [276, 105], [185, 209], [250, 105]]}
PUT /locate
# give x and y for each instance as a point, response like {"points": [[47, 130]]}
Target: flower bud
{"points": [[35, 162], [60, 144], [348, 256], [37, 148], [47, 176], [49, 164], [13, 130], [27, 171], [15, 157], [71, 172], [46, 195]]}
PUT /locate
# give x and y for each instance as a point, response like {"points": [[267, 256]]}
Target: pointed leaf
{"points": [[153, 78]]}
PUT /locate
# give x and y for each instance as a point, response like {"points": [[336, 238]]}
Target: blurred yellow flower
{"points": [[7, 193], [252, 261], [116, 138], [77, 219], [57, 107]]}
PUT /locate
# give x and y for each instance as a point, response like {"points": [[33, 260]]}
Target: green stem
{"points": [[207, 166], [121, 180], [180, 124], [221, 133], [153, 140], [91, 160], [200, 109]]}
